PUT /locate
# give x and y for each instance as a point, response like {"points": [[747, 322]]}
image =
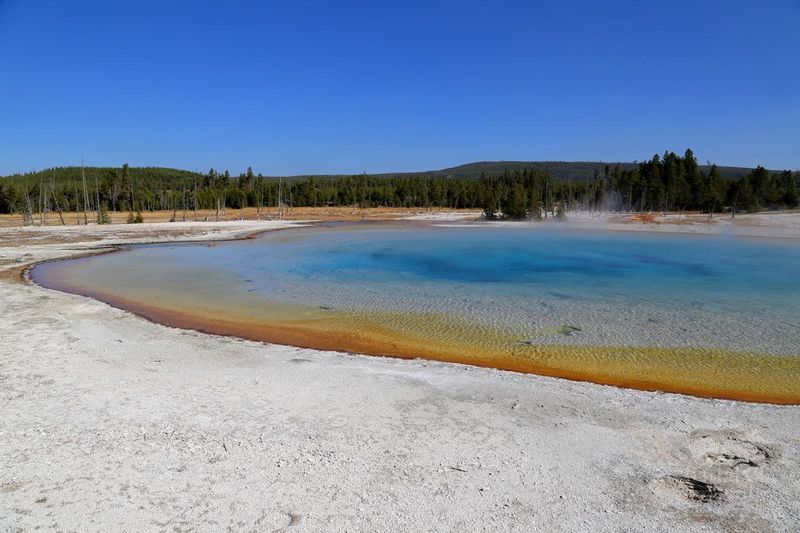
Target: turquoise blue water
{"points": [[614, 288], [733, 273]]}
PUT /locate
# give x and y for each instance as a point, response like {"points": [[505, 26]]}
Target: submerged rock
{"points": [[566, 329]]}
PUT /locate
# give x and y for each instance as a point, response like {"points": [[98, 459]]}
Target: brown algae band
{"points": [[702, 372]]}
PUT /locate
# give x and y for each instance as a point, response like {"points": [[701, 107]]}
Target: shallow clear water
{"points": [[498, 290]]}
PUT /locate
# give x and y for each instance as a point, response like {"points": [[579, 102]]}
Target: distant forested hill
{"points": [[73, 174], [559, 170], [514, 189]]}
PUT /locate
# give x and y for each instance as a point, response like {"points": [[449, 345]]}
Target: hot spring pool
{"points": [[705, 315]]}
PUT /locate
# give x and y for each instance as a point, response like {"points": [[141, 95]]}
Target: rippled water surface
{"points": [[645, 306]]}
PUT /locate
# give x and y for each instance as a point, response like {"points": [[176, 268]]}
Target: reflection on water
{"points": [[706, 315]]}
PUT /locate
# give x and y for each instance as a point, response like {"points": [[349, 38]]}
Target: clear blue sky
{"points": [[345, 86]]}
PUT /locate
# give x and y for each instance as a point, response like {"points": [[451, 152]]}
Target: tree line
{"points": [[667, 182]]}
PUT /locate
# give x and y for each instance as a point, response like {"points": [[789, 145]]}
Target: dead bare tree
{"points": [[42, 215], [77, 207], [58, 208], [27, 214], [280, 199], [46, 204], [97, 199], [85, 196], [55, 198], [259, 197]]}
